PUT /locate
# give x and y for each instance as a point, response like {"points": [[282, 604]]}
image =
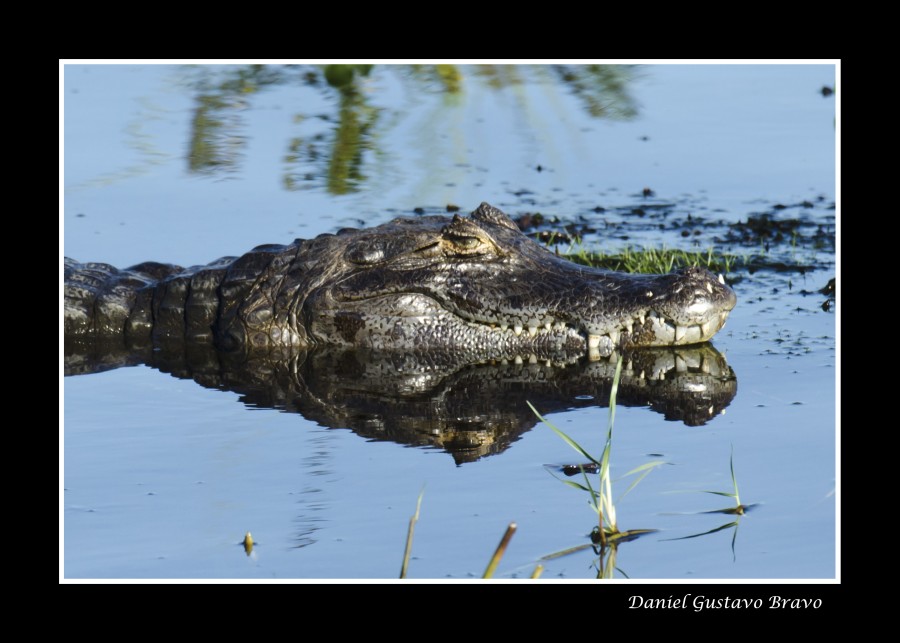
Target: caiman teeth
{"points": [[642, 318], [532, 330], [706, 328], [709, 287], [517, 329], [614, 337], [504, 326], [721, 279], [593, 341], [548, 326], [680, 332], [629, 326]]}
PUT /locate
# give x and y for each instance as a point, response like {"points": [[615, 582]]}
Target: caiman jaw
{"points": [[693, 323], [652, 329], [682, 308]]}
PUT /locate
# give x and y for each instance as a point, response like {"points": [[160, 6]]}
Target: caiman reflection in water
{"points": [[431, 399]]}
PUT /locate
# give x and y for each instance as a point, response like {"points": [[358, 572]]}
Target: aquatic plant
{"points": [[653, 260], [409, 534], [738, 509], [606, 534], [501, 549], [492, 563]]}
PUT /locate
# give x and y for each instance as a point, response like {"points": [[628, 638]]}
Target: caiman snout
{"points": [[687, 306], [690, 306]]}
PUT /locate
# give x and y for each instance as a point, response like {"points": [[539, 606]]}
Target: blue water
{"points": [[161, 478]]}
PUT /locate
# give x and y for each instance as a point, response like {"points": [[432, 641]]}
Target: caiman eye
{"points": [[463, 242], [464, 238]]}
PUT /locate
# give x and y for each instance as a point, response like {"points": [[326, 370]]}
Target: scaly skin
{"points": [[474, 285]]}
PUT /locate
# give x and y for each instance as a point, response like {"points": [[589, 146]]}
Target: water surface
{"points": [[163, 477]]}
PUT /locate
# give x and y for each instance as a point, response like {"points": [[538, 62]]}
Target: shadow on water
{"points": [[431, 399], [337, 144]]}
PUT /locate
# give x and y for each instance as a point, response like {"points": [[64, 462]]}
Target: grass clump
{"points": [[665, 260], [654, 260], [606, 534]]}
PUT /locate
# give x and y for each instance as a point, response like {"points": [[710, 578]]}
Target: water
{"points": [[162, 477]]}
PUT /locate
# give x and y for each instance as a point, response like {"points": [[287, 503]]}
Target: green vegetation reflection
{"points": [[351, 137], [216, 127], [334, 147]]}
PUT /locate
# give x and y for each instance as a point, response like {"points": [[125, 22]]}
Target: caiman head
{"points": [[479, 286]]}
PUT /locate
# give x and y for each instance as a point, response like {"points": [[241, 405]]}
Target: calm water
{"points": [[162, 477]]}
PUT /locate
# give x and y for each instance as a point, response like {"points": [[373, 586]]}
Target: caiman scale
{"points": [[475, 285]]}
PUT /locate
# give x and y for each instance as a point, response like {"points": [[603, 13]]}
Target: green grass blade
{"points": [[607, 508], [727, 494], [595, 496], [582, 487], [631, 534], [576, 485], [706, 533], [409, 535], [501, 549], [609, 566], [565, 437], [614, 390], [645, 469], [733, 541], [737, 497], [647, 465], [566, 552], [738, 510]]}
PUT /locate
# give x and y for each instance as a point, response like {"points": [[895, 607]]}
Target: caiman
{"points": [[475, 285]]}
